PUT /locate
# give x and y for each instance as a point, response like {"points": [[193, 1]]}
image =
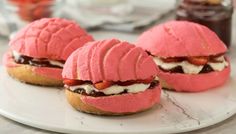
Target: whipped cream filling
{"points": [[114, 89], [52, 62], [17, 55], [189, 68]]}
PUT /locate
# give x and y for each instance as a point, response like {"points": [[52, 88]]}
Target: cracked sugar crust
{"points": [[111, 60], [181, 39], [52, 38]]}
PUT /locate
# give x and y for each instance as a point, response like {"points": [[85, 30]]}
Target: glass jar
{"points": [[30, 10], [215, 14]]}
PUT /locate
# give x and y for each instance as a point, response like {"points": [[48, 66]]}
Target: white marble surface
{"points": [[178, 112], [226, 127]]}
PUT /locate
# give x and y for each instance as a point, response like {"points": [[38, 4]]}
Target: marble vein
{"points": [[173, 101]]}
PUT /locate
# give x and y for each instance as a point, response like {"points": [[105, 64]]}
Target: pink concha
{"points": [[110, 60], [181, 38], [51, 38]]}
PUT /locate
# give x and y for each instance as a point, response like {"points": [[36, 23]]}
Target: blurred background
{"points": [[124, 19], [119, 15]]}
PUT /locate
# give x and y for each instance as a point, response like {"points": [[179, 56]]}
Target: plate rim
{"points": [[52, 128]]}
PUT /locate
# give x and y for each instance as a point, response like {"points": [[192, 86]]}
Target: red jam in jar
{"points": [[215, 14]]}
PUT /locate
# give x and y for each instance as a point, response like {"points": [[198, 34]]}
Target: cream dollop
{"points": [[219, 66], [189, 68], [115, 89], [16, 55], [56, 63]]}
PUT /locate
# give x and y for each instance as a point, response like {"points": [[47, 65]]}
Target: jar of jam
{"points": [[30, 10], [215, 14]]}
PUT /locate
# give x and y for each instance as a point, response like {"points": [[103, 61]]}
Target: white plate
{"points": [[46, 108]]}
